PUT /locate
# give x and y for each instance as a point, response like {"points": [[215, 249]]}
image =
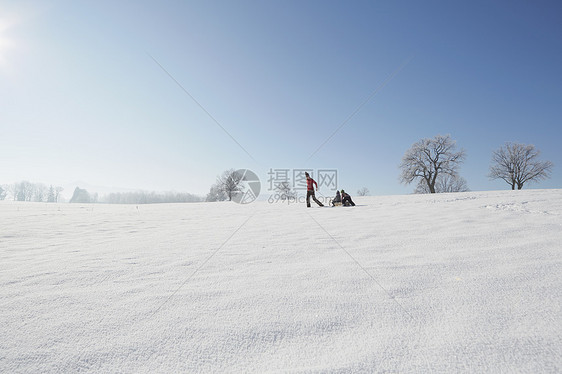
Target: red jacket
{"points": [[309, 184]]}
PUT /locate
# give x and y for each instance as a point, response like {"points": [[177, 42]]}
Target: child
{"points": [[337, 199], [346, 199]]}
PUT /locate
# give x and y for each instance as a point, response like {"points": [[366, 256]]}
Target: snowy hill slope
{"points": [[468, 282]]}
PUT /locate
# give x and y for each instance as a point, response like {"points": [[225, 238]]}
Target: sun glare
{"points": [[5, 42]]}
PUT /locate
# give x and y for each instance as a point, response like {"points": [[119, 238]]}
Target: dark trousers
{"points": [[311, 193], [347, 200]]}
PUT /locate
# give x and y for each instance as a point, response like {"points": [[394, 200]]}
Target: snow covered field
{"points": [[468, 282]]}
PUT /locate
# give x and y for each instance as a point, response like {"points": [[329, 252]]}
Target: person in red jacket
{"points": [[310, 190]]}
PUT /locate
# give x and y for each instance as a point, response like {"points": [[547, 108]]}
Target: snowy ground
{"points": [[447, 283]]}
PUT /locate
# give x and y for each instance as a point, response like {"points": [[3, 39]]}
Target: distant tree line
{"points": [[38, 192], [28, 191], [143, 197], [137, 197]]}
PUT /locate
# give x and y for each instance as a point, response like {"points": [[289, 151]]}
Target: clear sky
{"points": [[90, 90]]}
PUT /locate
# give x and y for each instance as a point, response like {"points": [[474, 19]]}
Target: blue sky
{"points": [[82, 98]]}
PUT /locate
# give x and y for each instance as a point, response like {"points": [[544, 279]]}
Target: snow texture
{"points": [[448, 283]]}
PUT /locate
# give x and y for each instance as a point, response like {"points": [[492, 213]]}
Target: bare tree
{"points": [[444, 183], [3, 192], [452, 183], [229, 183], [364, 191], [51, 194], [285, 191], [23, 191], [39, 192], [15, 190], [28, 191], [429, 158], [518, 164], [215, 194], [11, 190], [58, 190]]}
